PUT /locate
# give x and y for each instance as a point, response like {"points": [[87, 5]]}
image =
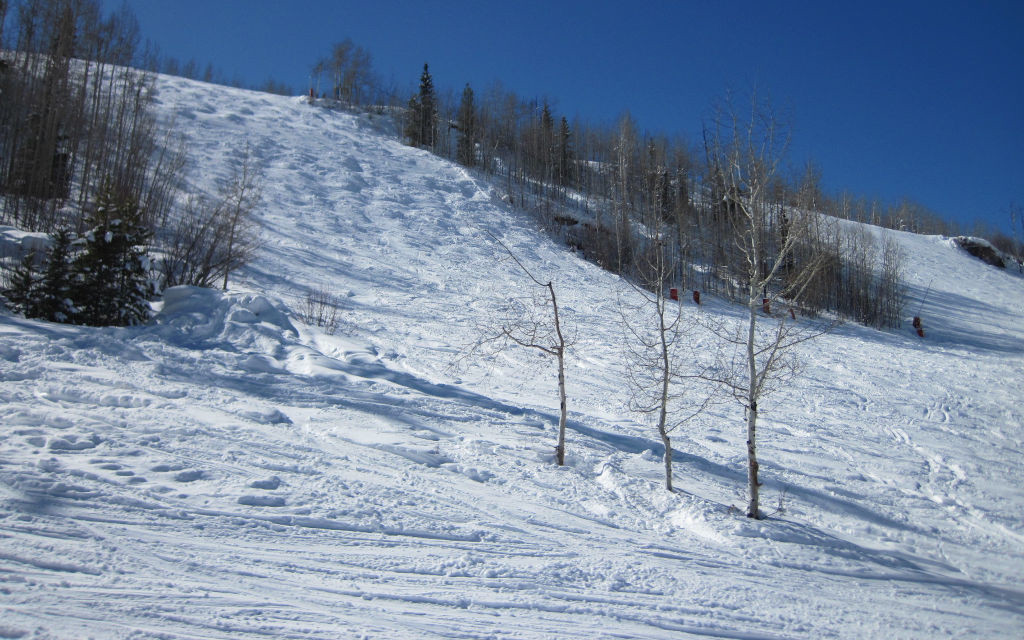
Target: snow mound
{"points": [[197, 317]]}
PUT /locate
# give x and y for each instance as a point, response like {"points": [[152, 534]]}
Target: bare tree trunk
{"points": [[753, 484], [560, 352], [231, 247], [752, 393], [533, 332], [665, 379], [668, 460], [560, 448]]}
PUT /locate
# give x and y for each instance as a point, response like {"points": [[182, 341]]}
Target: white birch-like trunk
{"points": [[663, 413], [560, 449], [560, 352], [752, 391]]}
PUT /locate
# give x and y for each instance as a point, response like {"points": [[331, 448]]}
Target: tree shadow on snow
{"points": [[894, 566]]}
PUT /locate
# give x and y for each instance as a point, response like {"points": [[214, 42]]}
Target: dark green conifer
{"points": [[465, 153], [428, 109], [55, 301], [112, 283], [421, 129], [565, 154], [23, 292], [412, 124]]}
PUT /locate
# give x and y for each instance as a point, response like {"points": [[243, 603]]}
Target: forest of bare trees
{"points": [[75, 116], [82, 157], [593, 184]]}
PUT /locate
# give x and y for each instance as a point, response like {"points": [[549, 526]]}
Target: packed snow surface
{"points": [[229, 472]]}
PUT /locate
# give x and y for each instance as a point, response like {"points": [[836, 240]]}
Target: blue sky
{"points": [[891, 99]]}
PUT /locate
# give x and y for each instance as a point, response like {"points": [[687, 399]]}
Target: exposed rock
{"points": [[981, 249]]}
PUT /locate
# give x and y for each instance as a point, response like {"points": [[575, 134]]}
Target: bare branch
{"points": [[524, 327]]}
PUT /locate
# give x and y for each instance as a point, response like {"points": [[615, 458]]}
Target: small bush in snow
{"points": [[213, 238], [320, 309]]}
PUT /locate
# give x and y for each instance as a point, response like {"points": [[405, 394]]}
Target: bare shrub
{"points": [[212, 239], [320, 309]]}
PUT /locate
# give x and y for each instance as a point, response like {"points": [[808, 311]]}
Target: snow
{"points": [[227, 472], [14, 242]]}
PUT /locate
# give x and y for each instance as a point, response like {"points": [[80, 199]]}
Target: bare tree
{"points": [[315, 74], [241, 195], [664, 381], [349, 70], [528, 324], [745, 151], [213, 238]]}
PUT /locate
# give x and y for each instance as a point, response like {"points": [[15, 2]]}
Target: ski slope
{"points": [[228, 472]]}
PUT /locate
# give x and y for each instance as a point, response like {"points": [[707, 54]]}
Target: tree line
{"points": [[590, 182], [82, 158], [601, 189]]}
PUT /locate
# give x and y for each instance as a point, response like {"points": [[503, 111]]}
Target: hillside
{"points": [[228, 472]]}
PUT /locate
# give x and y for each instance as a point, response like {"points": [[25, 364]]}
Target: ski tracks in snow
{"points": [[229, 473]]}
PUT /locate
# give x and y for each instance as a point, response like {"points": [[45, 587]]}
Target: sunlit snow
{"points": [[228, 472]]}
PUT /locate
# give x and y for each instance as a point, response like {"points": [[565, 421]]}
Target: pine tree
{"points": [[546, 144], [111, 279], [547, 126], [428, 109], [23, 292], [422, 126], [412, 125], [565, 154], [45, 295], [466, 122], [55, 287]]}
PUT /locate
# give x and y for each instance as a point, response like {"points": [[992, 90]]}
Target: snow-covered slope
{"points": [[227, 472]]}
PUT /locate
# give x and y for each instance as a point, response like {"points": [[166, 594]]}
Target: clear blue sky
{"points": [[923, 99]]}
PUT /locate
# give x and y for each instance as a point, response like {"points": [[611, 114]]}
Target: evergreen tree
{"points": [[546, 146], [466, 122], [412, 125], [23, 292], [421, 130], [45, 295], [428, 109], [547, 126], [565, 154], [111, 280], [55, 301]]}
